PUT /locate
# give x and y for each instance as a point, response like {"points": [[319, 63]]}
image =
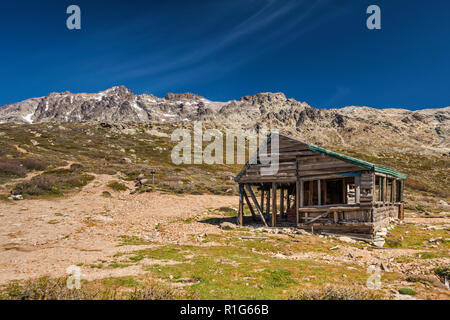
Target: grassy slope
{"points": [[229, 267]]}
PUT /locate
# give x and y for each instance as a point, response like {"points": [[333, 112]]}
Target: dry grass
{"points": [[46, 288], [117, 186], [52, 183], [335, 293]]}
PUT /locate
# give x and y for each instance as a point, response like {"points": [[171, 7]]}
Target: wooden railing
{"points": [[329, 213]]}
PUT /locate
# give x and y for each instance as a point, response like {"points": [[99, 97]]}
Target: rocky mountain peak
{"points": [[429, 129], [265, 97], [183, 96]]}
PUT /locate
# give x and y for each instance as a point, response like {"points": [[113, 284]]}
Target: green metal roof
{"points": [[361, 163]]}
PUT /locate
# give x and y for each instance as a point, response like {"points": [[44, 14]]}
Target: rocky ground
{"points": [[143, 235], [85, 197]]}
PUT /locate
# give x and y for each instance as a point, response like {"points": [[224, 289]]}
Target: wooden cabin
{"points": [[319, 190]]}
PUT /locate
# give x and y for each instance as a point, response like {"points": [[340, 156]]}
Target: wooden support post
{"points": [[401, 191], [384, 190], [268, 201], [401, 212], [262, 197], [357, 189], [380, 188], [335, 217], [298, 191], [241, 206], [344, 192], [260, 210], [324, 187], [288, 200], [274, 204], [282, 202], [301, 190], [310, 193], [319, 193], [249, 205], [394, 182]]}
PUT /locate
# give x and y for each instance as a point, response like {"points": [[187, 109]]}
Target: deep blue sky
{"points": [[315, 51]]}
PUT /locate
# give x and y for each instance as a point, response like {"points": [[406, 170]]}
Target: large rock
{"points": [[347, 239], [227, 226]]}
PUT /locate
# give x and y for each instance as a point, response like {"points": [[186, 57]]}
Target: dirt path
{"points": [[44, 237]]}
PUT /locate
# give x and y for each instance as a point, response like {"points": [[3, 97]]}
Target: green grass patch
{"points": [[117, 186], [133, 241], [106, 194], [407, 291], [52, 183], [230, 272]]}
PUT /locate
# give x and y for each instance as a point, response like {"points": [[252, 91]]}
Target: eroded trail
{"points": [[44, 237]]}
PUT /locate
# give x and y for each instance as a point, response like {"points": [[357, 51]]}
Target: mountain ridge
{"points": [[426, 130]]}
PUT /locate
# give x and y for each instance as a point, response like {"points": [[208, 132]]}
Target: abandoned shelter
{"points": [[320, 190]]}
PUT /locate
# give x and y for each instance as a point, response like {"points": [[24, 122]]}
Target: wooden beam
{"points": [[394, 182], [249, 205], [298, 190], [241, 206], [274, 204], [301, 190], [357, 189], [252, 195], [268, 202], [324, 187], [323, 215], [380, 188], [319, 193], [401, 191], [288, 200], [344, 192], [282, 202], [262, 197], [401, 212], [310, 193]]}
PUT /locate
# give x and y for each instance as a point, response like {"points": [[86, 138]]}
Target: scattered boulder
{"points": [[442, 203], [304, 232], [379, 242], [227, 226], [346, 239], [127, 160], [15, 197]]}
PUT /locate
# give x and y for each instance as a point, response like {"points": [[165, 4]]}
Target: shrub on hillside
{"points": [[46, 288], [334, 293], [34, 164], [17, 168], [43, 289], [117, 186], [76, 167], [11, 169], [52, 183]]}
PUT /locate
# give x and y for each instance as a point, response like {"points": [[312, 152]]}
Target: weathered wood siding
{"points": [[367, 188], [296, 159]]}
